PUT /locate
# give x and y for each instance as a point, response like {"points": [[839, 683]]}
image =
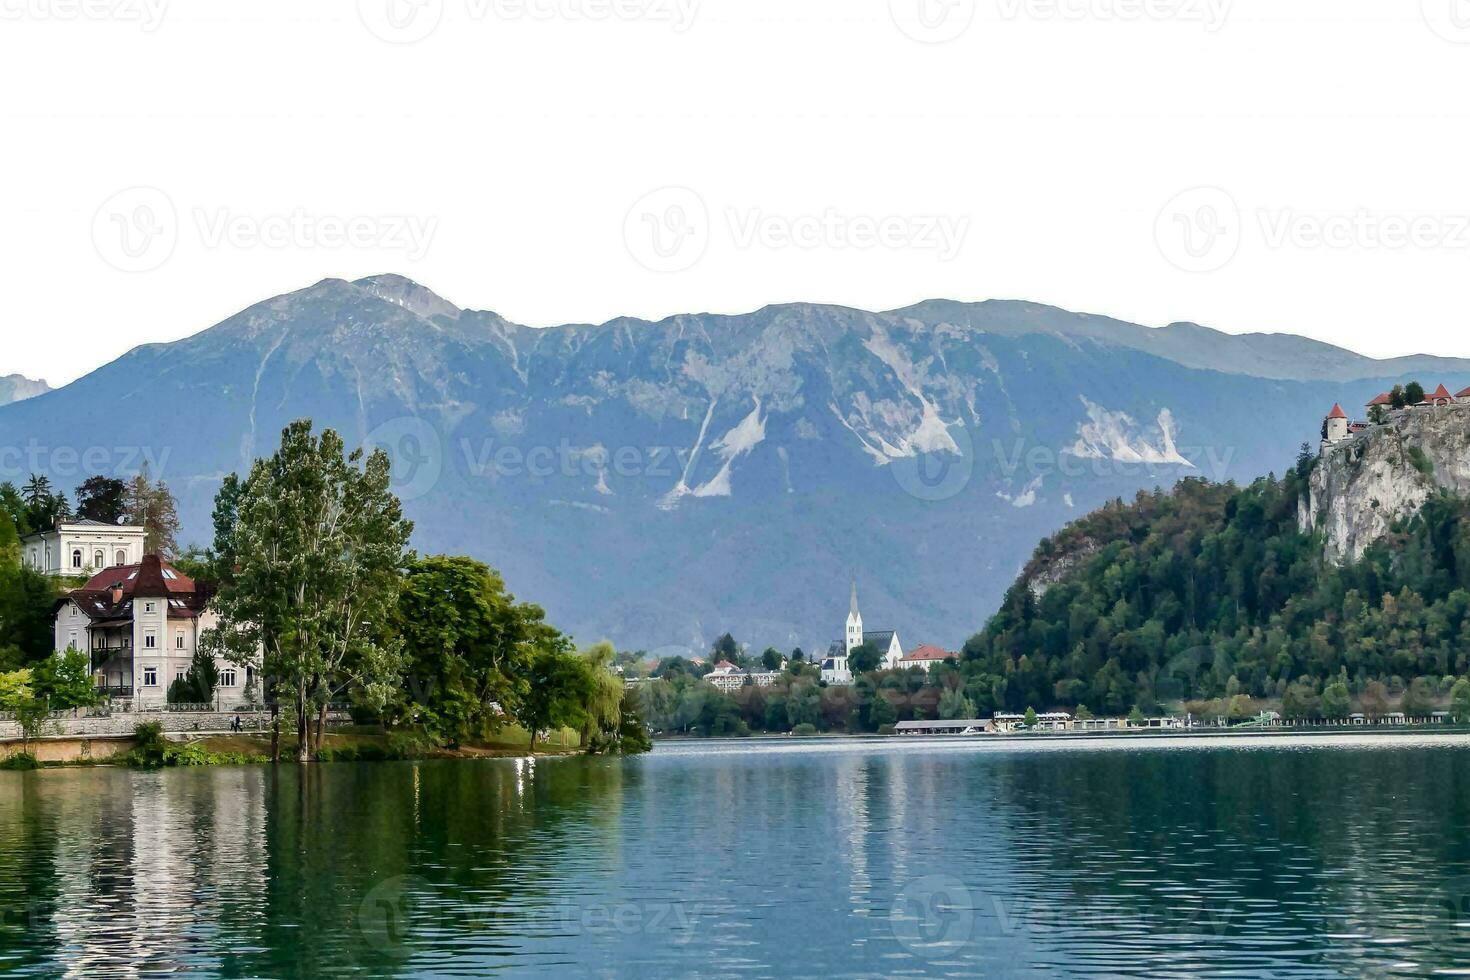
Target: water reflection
{"points": [[1293, 858]]}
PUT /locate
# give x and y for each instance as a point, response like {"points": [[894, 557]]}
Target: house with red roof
{"points": [[140, 625], [926, 656]]}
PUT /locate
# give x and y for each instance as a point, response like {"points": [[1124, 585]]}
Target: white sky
{"points": [[516, 158]]}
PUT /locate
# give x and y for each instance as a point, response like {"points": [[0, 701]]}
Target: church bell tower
{"points": [[854, 623]]}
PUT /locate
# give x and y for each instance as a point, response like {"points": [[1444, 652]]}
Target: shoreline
{"points": [[1322, 731]]}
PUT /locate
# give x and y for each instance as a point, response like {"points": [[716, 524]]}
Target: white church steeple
{"points": [[854, 623]]}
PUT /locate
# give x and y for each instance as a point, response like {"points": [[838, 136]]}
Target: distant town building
{"points": [[926, 656], [83, 548], [835, 669], [726, 676]]}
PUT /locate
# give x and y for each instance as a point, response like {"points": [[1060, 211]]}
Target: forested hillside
{"points": [[1211, 591]]}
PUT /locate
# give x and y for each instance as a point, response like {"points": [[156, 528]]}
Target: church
{"points": [[834, 667]]}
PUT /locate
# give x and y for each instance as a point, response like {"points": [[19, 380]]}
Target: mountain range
{"points": [[14, 388], [658, 483]]}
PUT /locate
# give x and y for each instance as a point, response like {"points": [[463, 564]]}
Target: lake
{"points": [[1279, 856]]}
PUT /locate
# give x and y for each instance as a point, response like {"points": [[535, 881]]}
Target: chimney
{"points": [[116, 594]]}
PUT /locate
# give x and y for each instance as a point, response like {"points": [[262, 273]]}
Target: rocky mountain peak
{"points": [[15, 387], [408, 294]]}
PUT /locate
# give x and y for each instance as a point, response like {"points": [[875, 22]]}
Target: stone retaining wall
{"points": [[174, 723]]}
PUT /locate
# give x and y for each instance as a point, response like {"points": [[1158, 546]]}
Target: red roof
{"points": [[153, 576], [1440, 394], [927, 652], [1337, 412], [1383, 399], [1464, 394]]}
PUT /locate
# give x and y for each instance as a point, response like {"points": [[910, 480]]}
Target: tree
{"points": [[1413, 394], [603, 708], [881, 712], [1135, 717], [321, 544], [1419, 698], [725, 648], [771, 659], [1460, 701], [469, 645], [1398, 398], [64, 680], [152, 506], [1029, 719], [27, 625], [558, 688], [953, 705], [101, 498], [1336, 701], [1374, 699], [864, 658]]}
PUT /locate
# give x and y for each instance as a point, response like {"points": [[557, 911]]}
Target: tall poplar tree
{"points": [[320, 546]]}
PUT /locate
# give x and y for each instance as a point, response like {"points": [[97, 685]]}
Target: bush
{"points": [[1421, 462], [152, 748], [20, 762], [805, 728]]}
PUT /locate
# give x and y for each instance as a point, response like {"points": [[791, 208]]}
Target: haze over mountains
{"points": [[660, 483]]}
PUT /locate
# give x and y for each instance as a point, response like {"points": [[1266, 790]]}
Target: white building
{"points": [[83, 547], [726, 676], [835, 669], [927, 656], [140, 624]]}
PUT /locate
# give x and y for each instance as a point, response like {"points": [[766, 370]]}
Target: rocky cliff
{"points": [[1362, 486]]}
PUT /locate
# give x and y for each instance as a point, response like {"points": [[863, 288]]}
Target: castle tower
{"points": [[1337, 425], [854, 623]]}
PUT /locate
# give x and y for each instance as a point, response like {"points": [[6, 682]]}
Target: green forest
{"points": [[1212, 592]]}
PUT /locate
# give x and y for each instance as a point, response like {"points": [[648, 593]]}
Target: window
{"points": [[76, 558], [147, 607], [122, 557], [179, 640], [150, 641], [227, 678], [98, 559], [150, 676], [178, 675]]}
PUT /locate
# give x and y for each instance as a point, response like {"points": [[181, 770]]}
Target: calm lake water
{"points": [[1282, 857]]}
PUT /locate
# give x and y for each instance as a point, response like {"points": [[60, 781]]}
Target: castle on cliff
{"points": [[1338, 428]]}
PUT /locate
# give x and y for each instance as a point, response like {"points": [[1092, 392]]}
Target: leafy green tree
{"points": [[558, 689], [1413, 393], [602, 721], [1419, 701], [1082, 714], [725, 648], [321, 544], [882, 712], [27, 624], [771, 659], [101, 498], [1135, 717], [469, 645], [1460, 701], [953, 705], [1336, 701], [64, 680], [864, 659], [1029, 719]]}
